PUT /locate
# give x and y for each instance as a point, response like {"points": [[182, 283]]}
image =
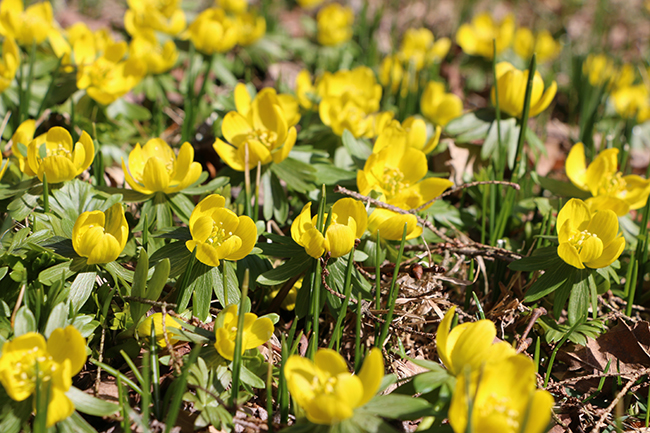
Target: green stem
{"points": [[392, 296], [46, 195], [501, 153], [24, 103], [344, 307], [557, 348], [189, 96], [239, 342], [50, 87]]}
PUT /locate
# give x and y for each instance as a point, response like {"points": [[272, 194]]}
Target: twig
{"points": [[465, 186], [150, 302], [621, 393], [18, 302], [100, 358], [537, 313]]}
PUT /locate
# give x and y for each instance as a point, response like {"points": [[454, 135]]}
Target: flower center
{"points": [[612, 185], [34, 363], [59, 150], [393, 181], [264, 136], [501, 406], [218, 234], [326, 386], [578, 238]]}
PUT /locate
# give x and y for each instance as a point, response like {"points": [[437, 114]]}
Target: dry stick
{"points": [[100, 358], [610, 408], [559, 421], [465, 186], [537, 313], [462, 248], [574, 380], [18, 302]]}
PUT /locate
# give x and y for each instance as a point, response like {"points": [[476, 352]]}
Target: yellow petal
{"points": [[371, 375], [229, 155], [442, 337], [604, 224], [569, 254], [575, 213], [67, 343], [205, 253], [247, 232], [105, 251], [235, 128], [206, 207], [59, 408], [469, 343], [610, 253], [603, 166], [224, 345], [576, 167], [543, 102], [539, 412], [155, 175], [258, 333], [350, 208], [340, 238], [242, 99], [314, 242], [330, 361], [301, 224]]}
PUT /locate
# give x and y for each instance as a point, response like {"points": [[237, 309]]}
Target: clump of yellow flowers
{"points": [[326, 390], [511, 83], [542, 44], [344, 99], [348, 222], [495, 388], [27, 26], [57, 157], [100, 236], [10, 63], [260, 131], [439, 106], [218, 233], [156, 320], [476, 38], [334, 24], [588, 238], [55, 362], [256, 331], [155, 168], [609, 188]]}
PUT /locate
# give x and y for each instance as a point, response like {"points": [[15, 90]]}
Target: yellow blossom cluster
{"points": [[495, 386]]}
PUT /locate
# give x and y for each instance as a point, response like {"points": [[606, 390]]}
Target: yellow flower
{"points": [[161, 15], [10, 63], [397, 172], [158, 58], [341, 114], [100, 236], [260, 128], [349, 222], [144, 328], [251, 28], [326, 390], [218, 233], [26, 26], [610, 189], [358, 85], [110, 77], [632, 102], [390, 225], [55, 363], [624, 77], [57, 157], [503, 399], [512, 91], [213, 31], [155, 168], [469, 345], [309, 4], [544, 46], [410, 133], [391, 73], [233, 6], [20, 140], [80, 45], [305, 90], [289, 301], [598, 68], [418, 47], [257, 331], [288, 103], [476, 38], [586, 238], [334, 24], [439, 106]]}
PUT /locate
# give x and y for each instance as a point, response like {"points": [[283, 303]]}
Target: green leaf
{"points": [[178, 256], [128, 195], [471, 126], [202, 280], [276, 205], [561, 188], [208, 188], [330, 175], [86, 403], [542, 258], [158, 280], [119, 270], [282, 246], [232, 294], [357, 148], [395, 406], [297, 175], [25, 322], [139, 286], [249, 378], [550, 281], [180, 233], [130, 111], [80, 290], [61, 246], [291, 268], [58, 318], [182, 206], [56, 273], [580, 296]]}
